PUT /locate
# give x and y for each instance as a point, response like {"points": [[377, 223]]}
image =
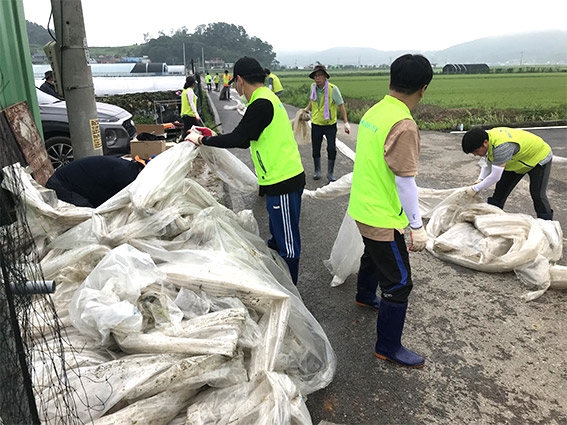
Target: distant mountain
{"points": [[538, 48]]}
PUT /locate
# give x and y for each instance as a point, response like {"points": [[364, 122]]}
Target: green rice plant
{"points": [[483, 99]]}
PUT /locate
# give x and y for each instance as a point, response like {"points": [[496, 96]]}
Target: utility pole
{"points": [[184, 61], [76, 77]]}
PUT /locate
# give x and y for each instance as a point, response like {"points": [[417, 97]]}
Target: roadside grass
{"points": [[450, 100]]}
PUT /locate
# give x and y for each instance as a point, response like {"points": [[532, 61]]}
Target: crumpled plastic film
{"points": [[463, 231], [301, 129], [229, 169], [160, 268]]}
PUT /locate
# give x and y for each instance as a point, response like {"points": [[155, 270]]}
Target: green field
{"points": [[484, 99]]}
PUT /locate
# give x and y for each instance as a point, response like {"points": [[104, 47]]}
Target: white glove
{"points": [[347, 128], [418, 239], [194, 138], [470, 192]]}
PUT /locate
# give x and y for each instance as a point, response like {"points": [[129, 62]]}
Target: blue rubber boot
{"points": [[389, 327], [366, 285]]}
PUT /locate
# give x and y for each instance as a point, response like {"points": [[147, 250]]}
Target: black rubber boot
{"points": [[389, 327], [330, 169], [317, 166], [366, 286]]}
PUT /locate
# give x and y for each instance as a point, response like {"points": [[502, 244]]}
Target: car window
{"points": [[44, 98]]}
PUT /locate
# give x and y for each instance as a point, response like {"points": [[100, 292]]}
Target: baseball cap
{"points": [[246, 67]]}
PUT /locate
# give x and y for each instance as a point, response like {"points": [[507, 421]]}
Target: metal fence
{"points": [[34, 351]]}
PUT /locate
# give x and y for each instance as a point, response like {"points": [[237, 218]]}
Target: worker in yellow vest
{"points": [[325, 98], [384, 200], [209, 81], [189, 114], [511, 154], [266, 129], [226, 79], [273, 82], [216, 80]]}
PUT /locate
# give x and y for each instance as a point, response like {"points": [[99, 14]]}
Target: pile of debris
{"points": [[175, 310]]}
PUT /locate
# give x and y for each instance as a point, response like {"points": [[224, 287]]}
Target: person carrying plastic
{"points": [[189, 114], [266, 129], [324, 100], [273, 82], [511, 154], [384, 200]]}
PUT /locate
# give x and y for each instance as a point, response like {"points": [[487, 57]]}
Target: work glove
{"points": [[347, 128], [205, 131], [418, 239], [194, 137], [470, 192]]}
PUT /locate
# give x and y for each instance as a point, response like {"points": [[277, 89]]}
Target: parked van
{"points": [[116, 128]]}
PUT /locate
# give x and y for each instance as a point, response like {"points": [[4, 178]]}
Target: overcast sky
{"points": [[291, 25]]}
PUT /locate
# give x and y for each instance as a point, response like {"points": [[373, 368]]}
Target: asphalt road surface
{"points": [[491, 357]]}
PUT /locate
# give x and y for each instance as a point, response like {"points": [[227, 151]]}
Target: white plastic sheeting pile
{"points": [[176, 309], [467, 232]]}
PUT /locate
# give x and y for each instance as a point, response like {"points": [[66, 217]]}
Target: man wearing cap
{"points": [[266, 129], [324, 100], [48, 85]]}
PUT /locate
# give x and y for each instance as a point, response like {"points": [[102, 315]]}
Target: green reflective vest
{"points": [[276, 84], [318, 108], [532, 148], [185, 107], [275, 154], [374, 196]]}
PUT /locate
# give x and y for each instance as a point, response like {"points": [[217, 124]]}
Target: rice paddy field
{"points": [[450, 100]]}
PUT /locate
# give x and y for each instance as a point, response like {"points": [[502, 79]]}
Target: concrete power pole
{"points": [[76, 77]]}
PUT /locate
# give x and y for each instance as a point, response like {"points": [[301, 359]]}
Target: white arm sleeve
{"points": [[485, 168], [407, 191], [491, 179]]}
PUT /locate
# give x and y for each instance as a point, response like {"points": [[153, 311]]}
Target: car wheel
{"points": [[60, 150]]}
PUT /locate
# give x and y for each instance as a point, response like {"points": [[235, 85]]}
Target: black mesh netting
{"points": [[34, 350]]}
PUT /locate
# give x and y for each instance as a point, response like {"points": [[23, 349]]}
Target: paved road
{"points": [[491, 358]]}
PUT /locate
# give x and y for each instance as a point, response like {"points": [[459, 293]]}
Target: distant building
{"points": [[466, 68]]}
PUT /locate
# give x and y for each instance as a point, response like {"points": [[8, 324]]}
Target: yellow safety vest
{"points": [[185, 107], [275, 154], [318, 108], [532, 148], [374, 198], [276, 84]]}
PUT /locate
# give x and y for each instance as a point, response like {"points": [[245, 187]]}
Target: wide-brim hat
{"points": [[247, 67], [317, 69], [48, 74]]}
